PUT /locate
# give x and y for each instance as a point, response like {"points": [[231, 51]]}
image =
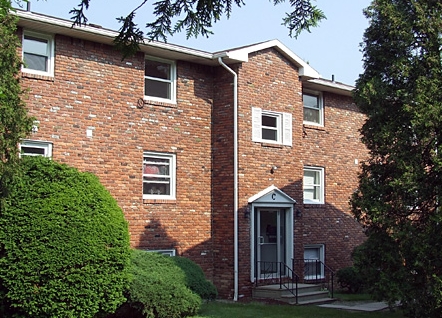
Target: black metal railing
{"points": [[268, 273], [316, 272]]}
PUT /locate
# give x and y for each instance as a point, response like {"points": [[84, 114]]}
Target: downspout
{"points": [[235, 175]]}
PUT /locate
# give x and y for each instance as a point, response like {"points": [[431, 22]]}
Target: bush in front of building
{"points": [[159, 288], [64, 244], [350, 279], [195, 278]]}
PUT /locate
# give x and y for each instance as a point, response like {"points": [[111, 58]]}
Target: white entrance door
{"points": [[271, 229]]}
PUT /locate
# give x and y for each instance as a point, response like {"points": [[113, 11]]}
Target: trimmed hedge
{"points": [[64, 244], [195, 278], [158, 288]]}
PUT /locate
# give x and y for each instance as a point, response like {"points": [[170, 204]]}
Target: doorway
{"points": [[271, 241]]}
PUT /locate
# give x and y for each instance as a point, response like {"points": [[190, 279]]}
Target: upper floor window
{"points": [[36, 148], [313, 108], [159, 175], [38, 53], [160, 80], [271, 127], [313, 185]]}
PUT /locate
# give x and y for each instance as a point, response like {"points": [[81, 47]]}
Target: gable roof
{"points": [[242, 54], [48, 24], [271, 195]]}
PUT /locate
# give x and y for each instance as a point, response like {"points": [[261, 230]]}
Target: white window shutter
{"points": [[256, 124], [287, 129]]}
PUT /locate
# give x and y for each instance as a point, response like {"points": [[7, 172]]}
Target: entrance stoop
{"points": [[308, 294]]}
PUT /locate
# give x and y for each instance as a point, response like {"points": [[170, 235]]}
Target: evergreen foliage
{"points": [[399, 194], [195, 17], [64, 244], [15, 124], [349, 278], [195, 279], [159, 289]]}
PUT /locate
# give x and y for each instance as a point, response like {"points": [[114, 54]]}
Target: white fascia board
{"points": [[95, 33], [242, 55], [334, 87], [268, 190]]}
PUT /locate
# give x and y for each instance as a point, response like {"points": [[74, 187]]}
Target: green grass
{"points": [[216, 309]]}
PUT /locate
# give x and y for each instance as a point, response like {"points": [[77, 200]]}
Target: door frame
{"points": [[272, 198]]}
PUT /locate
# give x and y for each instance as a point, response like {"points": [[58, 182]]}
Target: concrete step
{"points": [[319, 301], [307, 294]]}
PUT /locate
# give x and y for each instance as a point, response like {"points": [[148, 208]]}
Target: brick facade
{"points": [[90, 111]]}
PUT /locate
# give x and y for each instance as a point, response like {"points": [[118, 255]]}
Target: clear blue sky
{"points": [[332, 49]]}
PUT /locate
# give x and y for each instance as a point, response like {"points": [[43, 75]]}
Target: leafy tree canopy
{"points": [[399, 194], [195, 17]]}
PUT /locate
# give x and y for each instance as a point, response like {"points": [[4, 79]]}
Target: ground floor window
{"points": [[159, 175], [36, 148], [167, 252], [314, 261]]}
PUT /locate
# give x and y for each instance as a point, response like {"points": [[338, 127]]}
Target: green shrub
{"points": [[64, 244], [349, 278], [158, 288], [195, 278]]}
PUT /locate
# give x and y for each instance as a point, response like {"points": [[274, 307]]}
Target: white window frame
{"points": [[49, 53], [45, 145], [283, 128], [167, 252], [321, 251], [171, 81], [318, 95], [321, 185], [171, 176]]}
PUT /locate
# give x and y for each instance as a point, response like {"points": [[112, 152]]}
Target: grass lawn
{"points": [[216, 309]]}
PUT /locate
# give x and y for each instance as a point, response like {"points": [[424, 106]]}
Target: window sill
{"points": [[37, 76], [269, 145], [316, 127], [159, 201], [148, 101], [314, 205]]}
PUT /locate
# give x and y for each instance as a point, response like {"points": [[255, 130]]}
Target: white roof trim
{"points": [[267, 191], [46, 23], [329, 86], [100, 34], [242, 54]]}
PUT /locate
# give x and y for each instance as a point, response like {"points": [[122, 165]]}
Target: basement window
{"points": [[36, 148]]}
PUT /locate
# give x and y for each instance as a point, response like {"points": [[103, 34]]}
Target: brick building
{"points": [[232, 159]]}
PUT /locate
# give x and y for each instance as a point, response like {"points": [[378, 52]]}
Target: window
{"points": [[314, 261], [271, 127], [159, 176], [159, 80], [36, 148], [313, 113], [313, 185], [169, 252], [38, 53]]}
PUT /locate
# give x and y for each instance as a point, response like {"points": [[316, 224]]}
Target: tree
{"points": [[195, 17], [15, 124], [399, 195]]}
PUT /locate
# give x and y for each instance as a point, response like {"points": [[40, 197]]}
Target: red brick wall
{"points": [[337, 148], [92, 88], [222, 185], [266, 81]]}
